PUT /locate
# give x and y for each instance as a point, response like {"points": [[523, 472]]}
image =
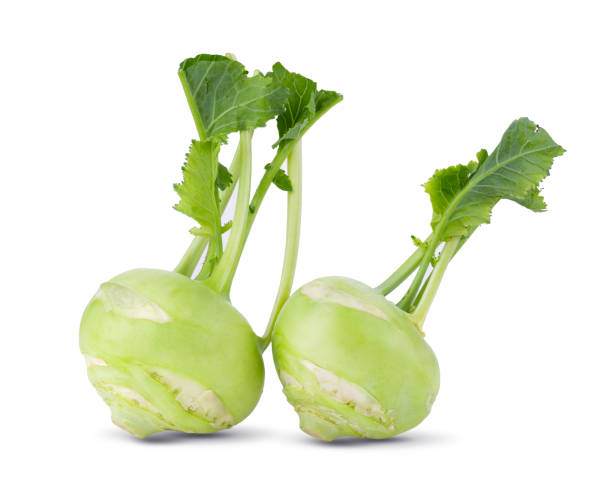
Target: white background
{"points": [[93, 130]]}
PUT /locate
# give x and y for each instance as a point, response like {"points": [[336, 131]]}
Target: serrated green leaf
{"points": [[533, 200], [198, 191], [226, 226], [205, 233], [462, 197], [417, 242], [443, 186], [226, 99], [224, 177], [303, 105], [326, 99], [481, 156], [200, 231]]}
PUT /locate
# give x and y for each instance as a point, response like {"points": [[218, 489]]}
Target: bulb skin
{"points": [[168, 353], [351, 362]]}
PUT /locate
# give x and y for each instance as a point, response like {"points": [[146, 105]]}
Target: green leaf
{"points": [[200, 231], [281, 179], [444, 185], [198, 190], [481, 156], [326, 99], [418, 242], [226, 226], [423, 245], [533, 200], [224, 99], [304, 104], [463, 196], [224, 177]]}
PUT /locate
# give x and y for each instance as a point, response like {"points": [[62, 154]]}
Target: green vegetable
{"points": [[354, 364], [168, 351]]}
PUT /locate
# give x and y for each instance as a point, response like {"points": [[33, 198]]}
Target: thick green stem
{"points": [[192, 256], [260, 192], [407, 302], [190, 259], [192, 106], [275, 165], [292, 240], [266, 181], [422, 290], [431, 288], [223, 274], [216, 243], [403, 271]]}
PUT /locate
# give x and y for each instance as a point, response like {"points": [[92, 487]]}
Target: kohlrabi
{"points": [[354, 364], [168, 351]]}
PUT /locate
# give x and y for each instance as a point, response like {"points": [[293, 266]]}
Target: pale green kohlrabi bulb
{"points": [[351, 362], [167, 352]]}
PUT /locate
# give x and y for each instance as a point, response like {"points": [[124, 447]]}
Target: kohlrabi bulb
{"points": [[167, 352], [351, 362]]}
